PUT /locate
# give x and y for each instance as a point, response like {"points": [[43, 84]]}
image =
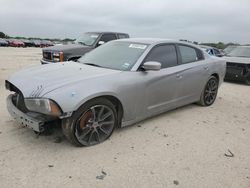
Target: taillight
{"points": [[60, 56]]}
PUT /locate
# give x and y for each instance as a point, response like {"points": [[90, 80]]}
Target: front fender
{"points": [[71, 99]]}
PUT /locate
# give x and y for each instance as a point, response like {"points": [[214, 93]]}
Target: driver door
{"points": [[161, 86]]}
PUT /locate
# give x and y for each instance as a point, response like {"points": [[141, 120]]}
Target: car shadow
{"points": [[236, 82], [55, 135]]}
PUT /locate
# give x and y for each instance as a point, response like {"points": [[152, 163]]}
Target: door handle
{"points": [[178, 76]]}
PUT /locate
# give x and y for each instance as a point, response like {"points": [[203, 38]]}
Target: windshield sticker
{"points": [[139, 46], [93, 36], [126, 65]]}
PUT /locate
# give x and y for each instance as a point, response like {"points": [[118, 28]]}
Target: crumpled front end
{"points": [[18, 110], [237, 71]]}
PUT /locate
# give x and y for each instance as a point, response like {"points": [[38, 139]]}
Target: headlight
{"points": [[58, 56], [44, 106]]}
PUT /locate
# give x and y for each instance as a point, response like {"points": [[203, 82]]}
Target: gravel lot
{"points": [[182, 148]]}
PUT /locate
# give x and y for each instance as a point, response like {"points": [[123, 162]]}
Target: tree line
{"points": [[3, 35]]}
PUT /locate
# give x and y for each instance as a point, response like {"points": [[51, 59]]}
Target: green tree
{"points": [[2, 35]]}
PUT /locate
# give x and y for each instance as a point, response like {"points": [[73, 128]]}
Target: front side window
{"points": [[164, 54], [188, 54]]}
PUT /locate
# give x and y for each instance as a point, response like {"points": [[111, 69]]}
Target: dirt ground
{"points": [[182, 148]]}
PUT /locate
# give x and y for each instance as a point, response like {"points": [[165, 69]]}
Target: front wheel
{"points": [[209, 92], [248, 80], [91, 124]]}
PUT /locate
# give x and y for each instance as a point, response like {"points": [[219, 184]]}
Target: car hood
{"points": [[37, 81], [243, 60], [65, 48]]}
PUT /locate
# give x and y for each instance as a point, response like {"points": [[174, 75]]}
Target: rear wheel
{"points": [[92, 123], [209, 92]]}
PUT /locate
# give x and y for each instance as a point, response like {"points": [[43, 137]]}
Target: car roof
{"points": [[153, 41], [105, 32]]}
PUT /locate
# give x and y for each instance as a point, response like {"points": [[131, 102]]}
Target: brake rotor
{"points": [[84, 120]]}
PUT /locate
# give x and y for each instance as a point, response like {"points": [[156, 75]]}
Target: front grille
{"points": [[238, 67], [47, 55]]}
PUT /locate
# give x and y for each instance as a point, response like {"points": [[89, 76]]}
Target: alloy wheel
{"points": [[211, 91], [95, 125]]}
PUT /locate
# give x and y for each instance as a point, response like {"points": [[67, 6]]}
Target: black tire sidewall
{"points": [[247, 81], [203, 101]]}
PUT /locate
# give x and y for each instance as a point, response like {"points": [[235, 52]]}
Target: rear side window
{"points": [[108, 37], [189, 54], [165, 54], [122, 36]]}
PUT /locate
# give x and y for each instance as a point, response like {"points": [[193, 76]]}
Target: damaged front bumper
{"points": [[32, 120], [237, 71]]}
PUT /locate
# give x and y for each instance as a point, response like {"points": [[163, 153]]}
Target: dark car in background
{"points": [[46, 43], [85, 43], [212, 51], [37, 43], [238, 64], [3, 42], [28, 43]]}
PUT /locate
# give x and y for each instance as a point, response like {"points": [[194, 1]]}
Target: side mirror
{"points": [[100, 43], [151, 65]]}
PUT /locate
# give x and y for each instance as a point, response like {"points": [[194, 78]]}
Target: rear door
{"points": [[194, 71], [106, 37], [122, 35]]}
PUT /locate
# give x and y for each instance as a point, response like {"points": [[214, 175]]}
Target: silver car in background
{"points": [[118, 84]]}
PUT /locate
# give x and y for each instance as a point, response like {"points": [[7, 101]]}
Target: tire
{"points": [[248, 80], [92, 123], [209, 92]]}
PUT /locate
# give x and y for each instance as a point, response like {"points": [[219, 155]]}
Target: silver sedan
{"points": [[117, 84]]}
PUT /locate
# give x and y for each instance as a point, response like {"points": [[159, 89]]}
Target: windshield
{"points": [[118, 55], [228, 49], [87, 39], [240, 51]]}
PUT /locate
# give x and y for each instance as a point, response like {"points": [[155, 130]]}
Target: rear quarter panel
{"points": [[218, 66]]}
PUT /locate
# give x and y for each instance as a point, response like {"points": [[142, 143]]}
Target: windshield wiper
{"points": [[92, 64], [82, 43]]}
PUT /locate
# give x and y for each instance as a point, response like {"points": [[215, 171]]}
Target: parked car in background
{"points": [[16, 43], [229, 48], [3, 42], [85, 43], [28, 43], [238, 64], [115, 85], [46, 43], [212, 51], [37, 43]]}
